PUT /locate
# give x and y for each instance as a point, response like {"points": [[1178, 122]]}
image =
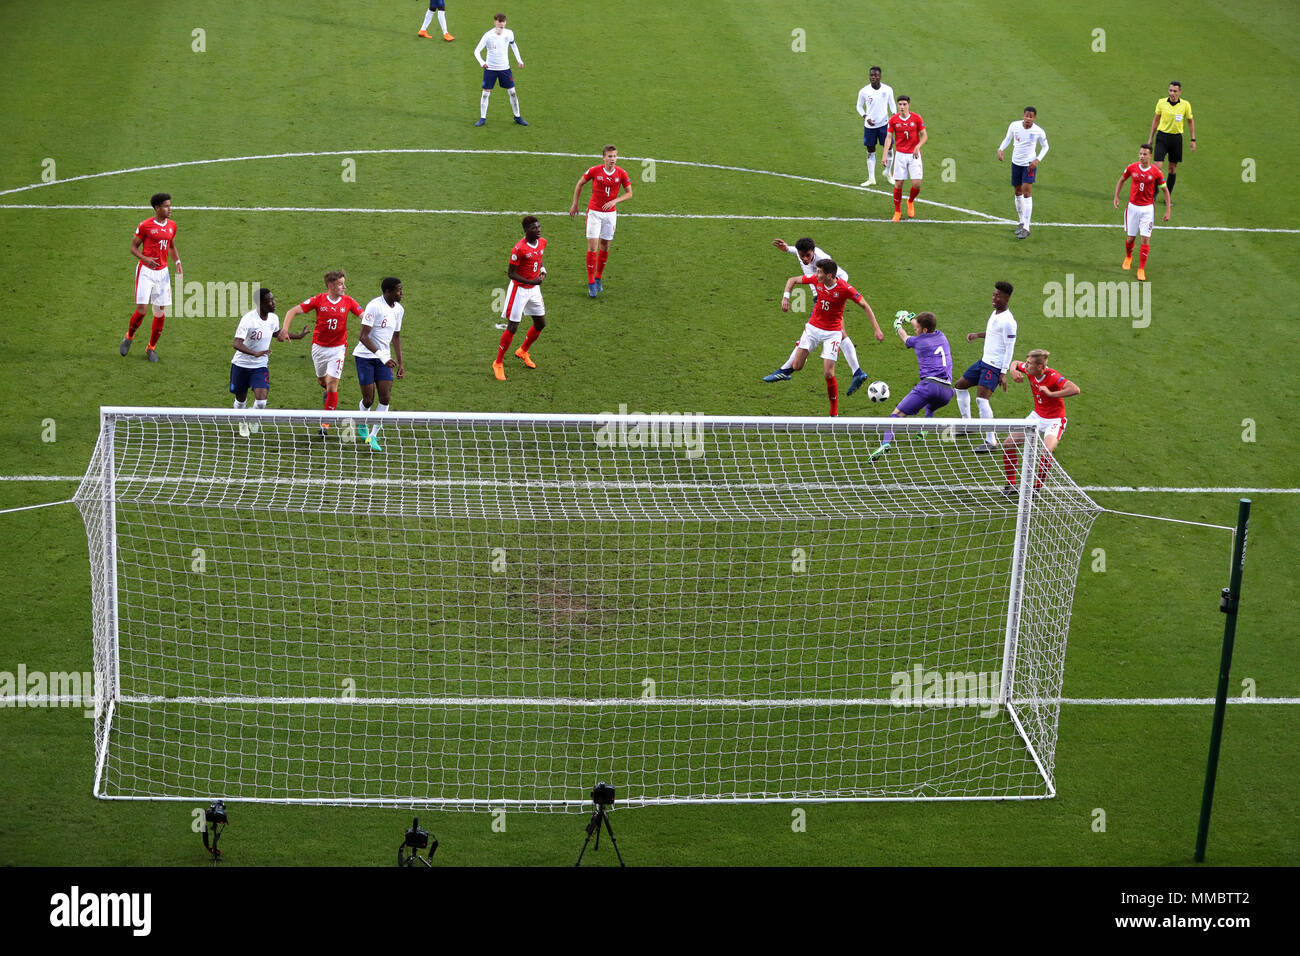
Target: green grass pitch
{"points": [[736, 123]]}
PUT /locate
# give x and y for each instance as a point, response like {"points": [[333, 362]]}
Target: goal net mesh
{"points": [[500, 611]]}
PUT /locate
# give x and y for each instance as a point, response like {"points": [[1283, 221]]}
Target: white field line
{"points": [[740, 217], [985, 218], [486, 152], [40, 700], [1129, 489]]}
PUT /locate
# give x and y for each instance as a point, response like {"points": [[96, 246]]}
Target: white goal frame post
{"points": [[284, 619]]}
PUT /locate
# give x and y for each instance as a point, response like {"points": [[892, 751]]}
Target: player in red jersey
{"points": [[1140, 215], [523, 295], [602, 213], [906, 132], [1050, 389], [329, 340], [152, 241], [826, 325]]}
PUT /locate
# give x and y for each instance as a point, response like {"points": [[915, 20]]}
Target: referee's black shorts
{"points": [[1169, 144]]}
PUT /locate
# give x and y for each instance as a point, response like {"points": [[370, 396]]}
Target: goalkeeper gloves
{"points": [[902, 316]]}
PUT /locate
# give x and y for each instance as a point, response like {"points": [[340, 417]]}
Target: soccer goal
{"points": [[500, 610]]}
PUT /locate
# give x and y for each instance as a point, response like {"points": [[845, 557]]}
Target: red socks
{"points": [[531, 337], [1128, 247], [156, 329], [833, 393], [1142, 257], [601, 258], [136, 318], [506, 338], [911, 197], [898, 199], [1010, 458], [591, 267], [331, 401]]}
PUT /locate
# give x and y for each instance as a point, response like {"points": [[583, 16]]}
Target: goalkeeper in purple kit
{"points": [[934, 366]]}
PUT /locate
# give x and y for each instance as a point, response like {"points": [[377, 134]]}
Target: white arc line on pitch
{"points": [[482, 152]]}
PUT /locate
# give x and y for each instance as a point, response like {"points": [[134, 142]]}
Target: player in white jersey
{"points": [[809, 254], [248, 368], [1027, 135], [991, 370], [379, 353], [875, 106], [440, 8], [498, 42]]}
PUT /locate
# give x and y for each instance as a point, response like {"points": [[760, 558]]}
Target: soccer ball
{"points": [[878, 392]]}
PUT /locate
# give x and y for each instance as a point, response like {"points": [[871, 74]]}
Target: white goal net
{"points": [[500, 610]]}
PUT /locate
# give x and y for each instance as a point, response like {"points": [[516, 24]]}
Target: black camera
{"points": [[602, 795], [417, 837], [216, 813]]}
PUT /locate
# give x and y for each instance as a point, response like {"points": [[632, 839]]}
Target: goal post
{"points": [[498, 610]]}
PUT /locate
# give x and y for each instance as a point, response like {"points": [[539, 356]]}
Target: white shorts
{"points": [[906, 166], [329, 360], [600, 225], [522, 300], [1139, 219], [829, 341], [152, 286], [1046, 426]]}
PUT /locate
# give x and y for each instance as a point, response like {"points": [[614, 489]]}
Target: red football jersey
{"points": [[331, 318], [157, 239], [907, 132], [604, 186], [527, 260], [1142, 191], [828, 307], [1052, 380]]}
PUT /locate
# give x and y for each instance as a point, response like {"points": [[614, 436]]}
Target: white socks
{"points": [[428, 18], [260, 403], [986, 411], [1020, 209], [850, 353], [789, 363], [381, 407], [482, 103], [442, 20], [1028, 203], [963, 402], [514, 100], [239, 404]]}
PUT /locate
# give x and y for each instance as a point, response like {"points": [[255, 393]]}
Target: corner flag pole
{"points": [[1229, 599]]}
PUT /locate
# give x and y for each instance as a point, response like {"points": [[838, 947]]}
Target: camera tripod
{"points": [[599, 816], [416, 840], [403, 860]]}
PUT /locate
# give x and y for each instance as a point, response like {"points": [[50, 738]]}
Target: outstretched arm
{"points": [[283, 334], [875, 326], [577, 191]]}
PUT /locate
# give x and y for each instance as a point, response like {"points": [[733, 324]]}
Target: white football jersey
{"points": [[810, 268], [382, 320], [876, 106], [256, 333], [1000, 340], [1026, 141], [498, 49]]}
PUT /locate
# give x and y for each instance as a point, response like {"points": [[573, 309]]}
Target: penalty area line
{"points": [[724, 217]]}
